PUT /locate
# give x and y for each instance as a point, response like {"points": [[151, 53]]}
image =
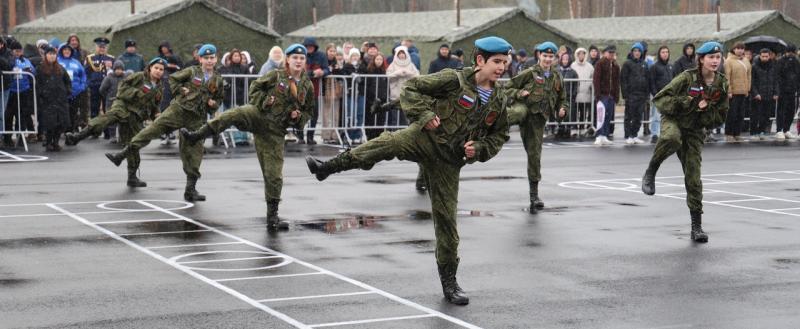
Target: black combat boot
{"points": [[697, 228], [452, 292], [117, 158], [536, 203], [75, 138], [192, 137], [649, 179], [310, 138], [274, 222], [191, 194], [134, 181], [323, 169], [421, 184]]}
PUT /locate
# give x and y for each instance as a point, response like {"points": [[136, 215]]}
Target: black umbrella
{"points": [[759, 42]]}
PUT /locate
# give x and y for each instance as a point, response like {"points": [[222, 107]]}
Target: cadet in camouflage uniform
{"points": [[137, 100], [537, 92], [280, 99], [694, 102], [457, 118], [197, 92]]}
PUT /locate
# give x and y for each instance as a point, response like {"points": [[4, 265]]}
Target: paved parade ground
{"points": [[79, 249]]}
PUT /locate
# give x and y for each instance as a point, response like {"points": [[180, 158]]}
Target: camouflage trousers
{"points": [[531, 129], [129, 125], [268, 139], [688, 143], [417, 145], [175, 117]]}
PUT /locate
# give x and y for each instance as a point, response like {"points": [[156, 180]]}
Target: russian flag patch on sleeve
{"points": [[466, 101]]}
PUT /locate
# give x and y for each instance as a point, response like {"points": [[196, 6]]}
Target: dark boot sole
{"points": [[700, 238], [137, 184], [192, 198], [455, 301], [110, 157], [648, 190], [312, 167]]}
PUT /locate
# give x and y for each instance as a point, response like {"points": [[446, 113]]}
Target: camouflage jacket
{"points": [[546, 94], [679, 100], [453, 96], [137, 94], [196, 100], [278, 84]]}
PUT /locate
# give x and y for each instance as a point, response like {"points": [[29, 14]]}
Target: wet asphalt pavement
{"points": [[75, 254]]}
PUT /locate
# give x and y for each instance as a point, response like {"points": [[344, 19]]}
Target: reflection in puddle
{"points": [[347, 222], [395, 180]]}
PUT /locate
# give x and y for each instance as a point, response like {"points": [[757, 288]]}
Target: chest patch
{"points": [[490, 118], [695, 91], [281, 86], [466, 101], [539, 80], [146, 88], [197, 81]]}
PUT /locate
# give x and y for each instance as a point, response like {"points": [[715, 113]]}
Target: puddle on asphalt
{"points": [[13, 282], [349, 222], [51, 242], [628, 204], [393, 180], [414, 243], [788, 261]]}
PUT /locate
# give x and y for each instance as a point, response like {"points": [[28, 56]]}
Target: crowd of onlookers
{"points": [[763, 86]]}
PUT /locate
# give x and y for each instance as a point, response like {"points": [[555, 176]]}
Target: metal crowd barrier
{"points": [[17, 126]]}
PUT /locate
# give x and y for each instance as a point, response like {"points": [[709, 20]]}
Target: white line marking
{"points": [[159, 233], [316, 296], [138, 221], [742, 200], [29, 215], [785, 209], [397, 318], [12, 156], [194, 274], [270, 276], [226, 260], [759, 177], [320, 269], [195, 245]]}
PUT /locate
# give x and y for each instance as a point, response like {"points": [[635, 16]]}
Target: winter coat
{"points": [[269, 65], [788, 74], [585, 71], [96, 69], [234, 83], [171, 59], [685, 62], [606, 79], [399, 72], [108, 89], [53, 92], [6, 64], [22, 82], [570, 87], [377, 87], [133, 62], [633, 79], [660, 75], [74, 69], [764, 80], [441, 63], [737, 70]]}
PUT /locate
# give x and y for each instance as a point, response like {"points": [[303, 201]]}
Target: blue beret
{"points": [[493, 45], [157, 60], [710, 47], [296, 49], [547, 47], [207, 49]]}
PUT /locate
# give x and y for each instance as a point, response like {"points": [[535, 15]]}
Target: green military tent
{"points": [[430, 29], [676, 30], [181, 22]]}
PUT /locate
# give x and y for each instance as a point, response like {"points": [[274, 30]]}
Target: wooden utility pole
{"points": [[270, 14], [314, 13], [133, 7], [458, 13], [30, 5], [44, 9], [719, 19], [613, 8], [12, 14]]}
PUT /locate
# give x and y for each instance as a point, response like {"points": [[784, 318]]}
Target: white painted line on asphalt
{"points": [[316, 296], [270, 276], [785, 209], [30, 215], [195, 245], [192, 273], [226, 259], [320, 269], [397, 318], [13, 157], [160, 233], [759, 177], [138, 221], [742, 200]]}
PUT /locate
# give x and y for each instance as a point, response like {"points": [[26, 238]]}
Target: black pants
{"points": [[634, 107], [735, 120], [787, 105], [761, 112], [20, 107], [53, 135]]}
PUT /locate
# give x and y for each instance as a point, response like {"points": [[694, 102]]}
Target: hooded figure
{"points": [[174, 63], [443, 61], [74, 69], [400, 71], [111, 82], [687, 61], [635, 90], [585, 71]]}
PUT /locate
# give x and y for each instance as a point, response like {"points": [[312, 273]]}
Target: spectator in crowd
{"points": [[443, 60], [372, 51], [97, 66], [400, 71], [275, 60], [355, 116], [531, 62], [458, 54], [583, 98], [687, 61], [53, 93], [75, 43], [635, 91], [606, 85], [522, 57], [413, 52], [317, 69], [332, 93], [6, 64], [594, 54], [346, 46], [764, 92], [195, 58], [132, 60], [235, 89], [564, 68], [36, 53], [174, 64], [77, 77], [108, 89], [788, 81], [83, 103], [660, 75], [20, 107], [248, 61], [738, 72], [377, 94]]}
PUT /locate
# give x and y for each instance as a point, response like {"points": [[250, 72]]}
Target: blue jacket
{"points": [[74, 69], [133, 62], [22, 82]]}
